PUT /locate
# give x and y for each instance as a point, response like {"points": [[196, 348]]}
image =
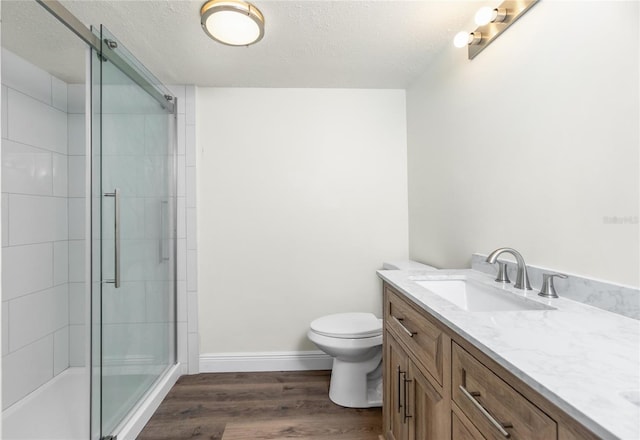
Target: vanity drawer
{"points": [[482, 396], [422, 337]]}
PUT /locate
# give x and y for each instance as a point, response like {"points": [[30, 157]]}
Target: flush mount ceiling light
{"points": [[232, 22]]}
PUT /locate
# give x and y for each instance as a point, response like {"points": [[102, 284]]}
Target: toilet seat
{"points": [[348, 326]]}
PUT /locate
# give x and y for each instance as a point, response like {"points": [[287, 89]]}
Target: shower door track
{"points": [[77, 27]]}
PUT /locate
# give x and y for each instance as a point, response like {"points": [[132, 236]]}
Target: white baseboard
{"points": [[265, 361]]}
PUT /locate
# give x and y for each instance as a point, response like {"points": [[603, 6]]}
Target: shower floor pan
{"points": [[58, 410]]}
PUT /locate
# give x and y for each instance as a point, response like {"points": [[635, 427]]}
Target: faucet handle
{"points": [[503, 276], [548, 290]]}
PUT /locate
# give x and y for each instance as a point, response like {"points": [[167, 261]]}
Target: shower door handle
{"points": [[116, 236], [164, 206]]}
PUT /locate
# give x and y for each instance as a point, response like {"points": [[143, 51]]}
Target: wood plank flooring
{"points": [[273, 405]]}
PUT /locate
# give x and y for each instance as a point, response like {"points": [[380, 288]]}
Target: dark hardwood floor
{"points": [[273, 405]]}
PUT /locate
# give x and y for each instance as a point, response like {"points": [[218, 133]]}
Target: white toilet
{"points": [[354, 340]]}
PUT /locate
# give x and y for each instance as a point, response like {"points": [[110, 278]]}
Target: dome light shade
{"points": [[232, 22]]}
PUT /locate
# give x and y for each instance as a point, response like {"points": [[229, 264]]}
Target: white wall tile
{"points": [[190, 104], [151, 183], [25, 169], [191, 187], [181, 135], [190, 145], [76, 98], [183, 346], [60, 262], [77, 298], [182, 218], [21, 75], [77, 176], [76, 135], [76, 261], [127, 304], [191, 229], [61, 350], [5, 327], [4, 112], [124, 172], [52, 123], [159, 302], [181, 177], [38, 314], [58, 94], [60, 175], [5, 219], [26, 269], [123, 134], [35, 219], [181, 299], [61, 231], [156, 134], [77, 215], [182, 259], [77, 334], [192, 271], [25, 370]]}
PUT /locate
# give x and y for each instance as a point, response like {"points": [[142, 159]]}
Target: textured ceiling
{"points": [[351, 44]]}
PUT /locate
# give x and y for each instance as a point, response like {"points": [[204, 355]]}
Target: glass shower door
{"points": [[133, 307]]}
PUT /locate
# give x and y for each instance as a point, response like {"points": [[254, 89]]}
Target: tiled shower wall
{"points": [[43, 189]]}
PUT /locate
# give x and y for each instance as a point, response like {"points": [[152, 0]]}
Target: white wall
{"points": [[301, 195], [42, 227], [534, 144]]}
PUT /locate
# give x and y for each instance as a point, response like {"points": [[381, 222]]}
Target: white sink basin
{"points": [[474, 296]]}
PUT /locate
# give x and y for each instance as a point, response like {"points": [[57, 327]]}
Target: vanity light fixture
{"points": [[232, 22], [491, 23]]}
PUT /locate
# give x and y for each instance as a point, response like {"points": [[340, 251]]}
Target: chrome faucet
{"points": [[522, 278]]}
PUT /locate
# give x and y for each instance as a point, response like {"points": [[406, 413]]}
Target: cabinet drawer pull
{"points": [[406, 330], [499, 426]]}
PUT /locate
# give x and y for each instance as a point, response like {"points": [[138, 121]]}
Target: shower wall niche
{"points": [[44, 192]]}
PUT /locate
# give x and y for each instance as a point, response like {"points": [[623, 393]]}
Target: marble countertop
{"points": [[583, 359]]}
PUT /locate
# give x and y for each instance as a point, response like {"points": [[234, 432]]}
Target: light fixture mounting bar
{"points": [[515, 9]]}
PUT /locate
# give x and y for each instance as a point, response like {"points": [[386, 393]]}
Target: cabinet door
{"points": [[429, 414], [395, 374]]}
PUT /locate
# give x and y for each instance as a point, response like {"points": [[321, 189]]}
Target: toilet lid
{"points": [[348, 325]]}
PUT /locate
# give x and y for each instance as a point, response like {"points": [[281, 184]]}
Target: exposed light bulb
{"points": [[465, 38], [485, 15], [461, 39]]}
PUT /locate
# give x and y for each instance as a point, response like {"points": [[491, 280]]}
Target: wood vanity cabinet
{"points": [[438, 386], [416, 405]]}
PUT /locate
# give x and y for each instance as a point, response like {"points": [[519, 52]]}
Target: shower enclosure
{"points": [[108, 310]]}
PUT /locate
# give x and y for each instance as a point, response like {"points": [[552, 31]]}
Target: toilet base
{"points": [[351, 388]]}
